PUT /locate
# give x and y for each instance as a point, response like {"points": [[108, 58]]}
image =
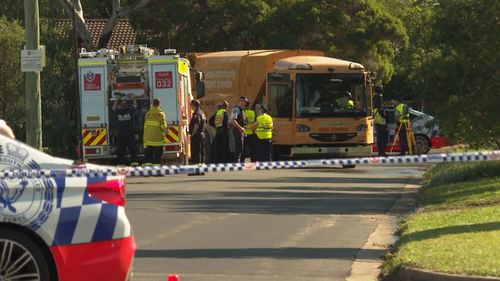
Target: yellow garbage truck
{"points": [[321, 106]]}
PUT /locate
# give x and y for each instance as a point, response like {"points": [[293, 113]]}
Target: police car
{"points": [[59, 226]]}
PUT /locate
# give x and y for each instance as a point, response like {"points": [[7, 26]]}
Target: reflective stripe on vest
{"points": [[250, 114], [264, 129], [378, 118], [219, 118]]}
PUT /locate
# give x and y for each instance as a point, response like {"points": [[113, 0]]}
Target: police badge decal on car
{"points": [[23, 200]]}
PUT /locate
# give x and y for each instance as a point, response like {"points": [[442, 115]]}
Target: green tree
{"points": [[12, 97], [463, 82], [59, 94], [358, 30], [191, 25], [408, 80]]}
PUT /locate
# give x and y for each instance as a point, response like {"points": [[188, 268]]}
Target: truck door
{"points": [[165, 86], [93, 96]]}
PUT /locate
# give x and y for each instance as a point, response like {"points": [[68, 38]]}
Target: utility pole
{"points": [[33, 92]]}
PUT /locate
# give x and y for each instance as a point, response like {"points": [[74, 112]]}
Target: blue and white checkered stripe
{"points": [[78, 218], [217, 168]]}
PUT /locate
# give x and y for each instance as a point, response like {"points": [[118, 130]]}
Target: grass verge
{"points": [[457, 227]]}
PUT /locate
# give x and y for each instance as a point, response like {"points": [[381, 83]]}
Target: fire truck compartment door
{"points": [[164, 86], [93, 78]]}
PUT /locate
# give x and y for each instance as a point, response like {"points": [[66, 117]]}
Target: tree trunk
{"points": [[118, 13], [83, 34]]}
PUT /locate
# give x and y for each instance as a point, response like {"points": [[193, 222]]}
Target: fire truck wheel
{"points": [[348, 166]]}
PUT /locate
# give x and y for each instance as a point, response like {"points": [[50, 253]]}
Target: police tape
{"points": [[231, 167]]}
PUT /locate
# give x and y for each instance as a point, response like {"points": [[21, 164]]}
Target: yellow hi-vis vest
{"points": [[264, 128], [344, 102], [378, 118], [401, 109], [219, 118], [154, 126], [250, 114]]}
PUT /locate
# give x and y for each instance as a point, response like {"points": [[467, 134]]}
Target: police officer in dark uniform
{"points": [[125, 123], [238, 121], [197, 132], [379, 117]]}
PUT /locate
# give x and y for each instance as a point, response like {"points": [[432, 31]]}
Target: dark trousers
{"points": [[238, 146], [403, 139], [153, 154], [382, 135], [126, 140], [264, 150], [250, 142], [221, 147], [198, 149]]}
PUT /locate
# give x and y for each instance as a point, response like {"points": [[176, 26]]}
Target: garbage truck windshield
{"points": [[331, 95]]}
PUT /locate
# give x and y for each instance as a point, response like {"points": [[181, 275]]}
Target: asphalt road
{"points": [[279, 225]]}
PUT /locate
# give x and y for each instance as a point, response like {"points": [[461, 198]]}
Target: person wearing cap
{"points": [[6, 130], [154, 128], [250, 137], [238, 121], [221, 140], [197, 132], [264, 131], [125, 137]]}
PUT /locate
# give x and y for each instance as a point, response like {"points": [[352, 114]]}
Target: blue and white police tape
{"points": [[217, 168]]}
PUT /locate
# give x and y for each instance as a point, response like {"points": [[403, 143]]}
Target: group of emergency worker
{"points": [[249, 130], [154, 128], [382, 118]]}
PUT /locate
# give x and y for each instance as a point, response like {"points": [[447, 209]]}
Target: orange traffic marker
{"points": [[173, 277]]}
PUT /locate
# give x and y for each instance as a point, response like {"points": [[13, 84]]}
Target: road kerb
{"points": [[366, 267]]}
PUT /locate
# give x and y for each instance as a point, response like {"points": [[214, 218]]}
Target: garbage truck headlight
{"points": [[302, 128]]}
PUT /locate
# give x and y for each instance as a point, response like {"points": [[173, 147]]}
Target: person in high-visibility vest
{"points": [[221, 141], [381, 130], [345, 101], [404, 116], [154, 129], [264, 131], [250, 137]]}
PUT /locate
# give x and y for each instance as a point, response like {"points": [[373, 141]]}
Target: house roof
{"points": [[123, 33]]}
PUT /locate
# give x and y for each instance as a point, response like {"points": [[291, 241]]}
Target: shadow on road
{"points": [[456, 229], [273, 253], [276, 200], [311, 180]]}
